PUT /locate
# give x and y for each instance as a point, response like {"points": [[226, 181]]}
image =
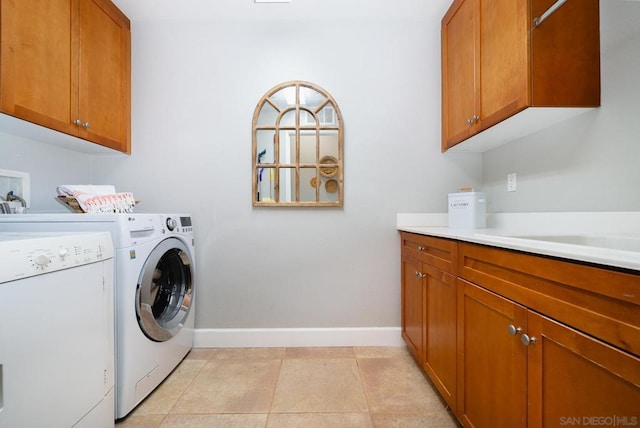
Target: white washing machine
{"points": [[155, 275], [154, 291]]}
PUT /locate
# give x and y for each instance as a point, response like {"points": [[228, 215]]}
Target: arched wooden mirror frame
{"points": [[297, 147]]}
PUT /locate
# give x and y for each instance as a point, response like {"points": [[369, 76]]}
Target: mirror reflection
{"points": [[297, 147]]}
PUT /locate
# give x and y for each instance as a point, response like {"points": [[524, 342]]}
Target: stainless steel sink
{"points": [[613, 242]]}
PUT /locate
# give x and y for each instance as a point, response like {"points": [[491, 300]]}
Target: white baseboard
{"points": [[296, 337]]}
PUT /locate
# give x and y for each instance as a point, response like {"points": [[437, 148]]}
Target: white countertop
{"points": [[604, 232]]}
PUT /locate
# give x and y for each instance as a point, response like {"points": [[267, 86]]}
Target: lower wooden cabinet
{"points": [[518, 368], [429, 311], [492, 364], [575, 379], [518, 340], [413, 303], [440, 332]]}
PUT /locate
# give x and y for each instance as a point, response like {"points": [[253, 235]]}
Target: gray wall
{"points": [[48, 167], [195, 86]]}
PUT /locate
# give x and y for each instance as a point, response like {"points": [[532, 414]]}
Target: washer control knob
{"points": [[63, 252], [41, 260], [171, 224]]}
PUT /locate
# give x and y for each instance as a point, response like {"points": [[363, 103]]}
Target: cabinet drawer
{"points": [[438, 252], [604, 303]]}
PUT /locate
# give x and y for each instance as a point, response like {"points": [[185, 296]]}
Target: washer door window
{"points": [[165, 289]]}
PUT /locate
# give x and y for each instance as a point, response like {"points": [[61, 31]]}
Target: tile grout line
{"points": [[275, 387], [364, 390], [188, 385]]}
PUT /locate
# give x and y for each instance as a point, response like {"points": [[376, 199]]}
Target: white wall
{"points": [[590, 163], [195, 87]]}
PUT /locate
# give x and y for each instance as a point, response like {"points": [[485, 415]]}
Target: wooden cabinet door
{"points": [[565, 52], [37, 62], [485, 65], [413, 303], [504, 60], [104, 93], [492, 364], [440, 329], [460, 77], [576, 380]]}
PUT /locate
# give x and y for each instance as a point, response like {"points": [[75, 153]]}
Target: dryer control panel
{"points": [[28, 254], [185, 223]]}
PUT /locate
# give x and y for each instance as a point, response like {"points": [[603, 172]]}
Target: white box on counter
{"points": [[467, 210]]}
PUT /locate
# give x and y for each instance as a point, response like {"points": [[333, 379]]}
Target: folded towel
{"points": [[99, 199], [71, 189]]}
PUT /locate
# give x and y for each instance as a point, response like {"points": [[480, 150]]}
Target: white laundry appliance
{"points": [[56, 330], [154, 289]]}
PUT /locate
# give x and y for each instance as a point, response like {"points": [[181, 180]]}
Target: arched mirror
{"points": [[297, 147]]}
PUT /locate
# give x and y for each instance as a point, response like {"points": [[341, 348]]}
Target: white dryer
{"points": [[56, 330], [154, 291]]}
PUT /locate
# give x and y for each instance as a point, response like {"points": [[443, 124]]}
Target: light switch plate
{"points": [[511, 182]]}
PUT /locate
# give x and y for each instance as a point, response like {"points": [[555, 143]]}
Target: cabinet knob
{"points": [[473, 119], [513, 330], [528, 340], [420, 248], [420, 274], [85, 125], [77, 122]]}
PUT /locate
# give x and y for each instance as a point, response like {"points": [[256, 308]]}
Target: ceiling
{"points": [[215, 10], [619, 18]]}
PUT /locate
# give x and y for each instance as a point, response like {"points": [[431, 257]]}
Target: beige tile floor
{"points": [[293, 387]]}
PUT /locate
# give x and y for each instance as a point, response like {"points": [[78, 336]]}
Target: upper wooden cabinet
{"points": [[497, 62], [66, 65]]}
